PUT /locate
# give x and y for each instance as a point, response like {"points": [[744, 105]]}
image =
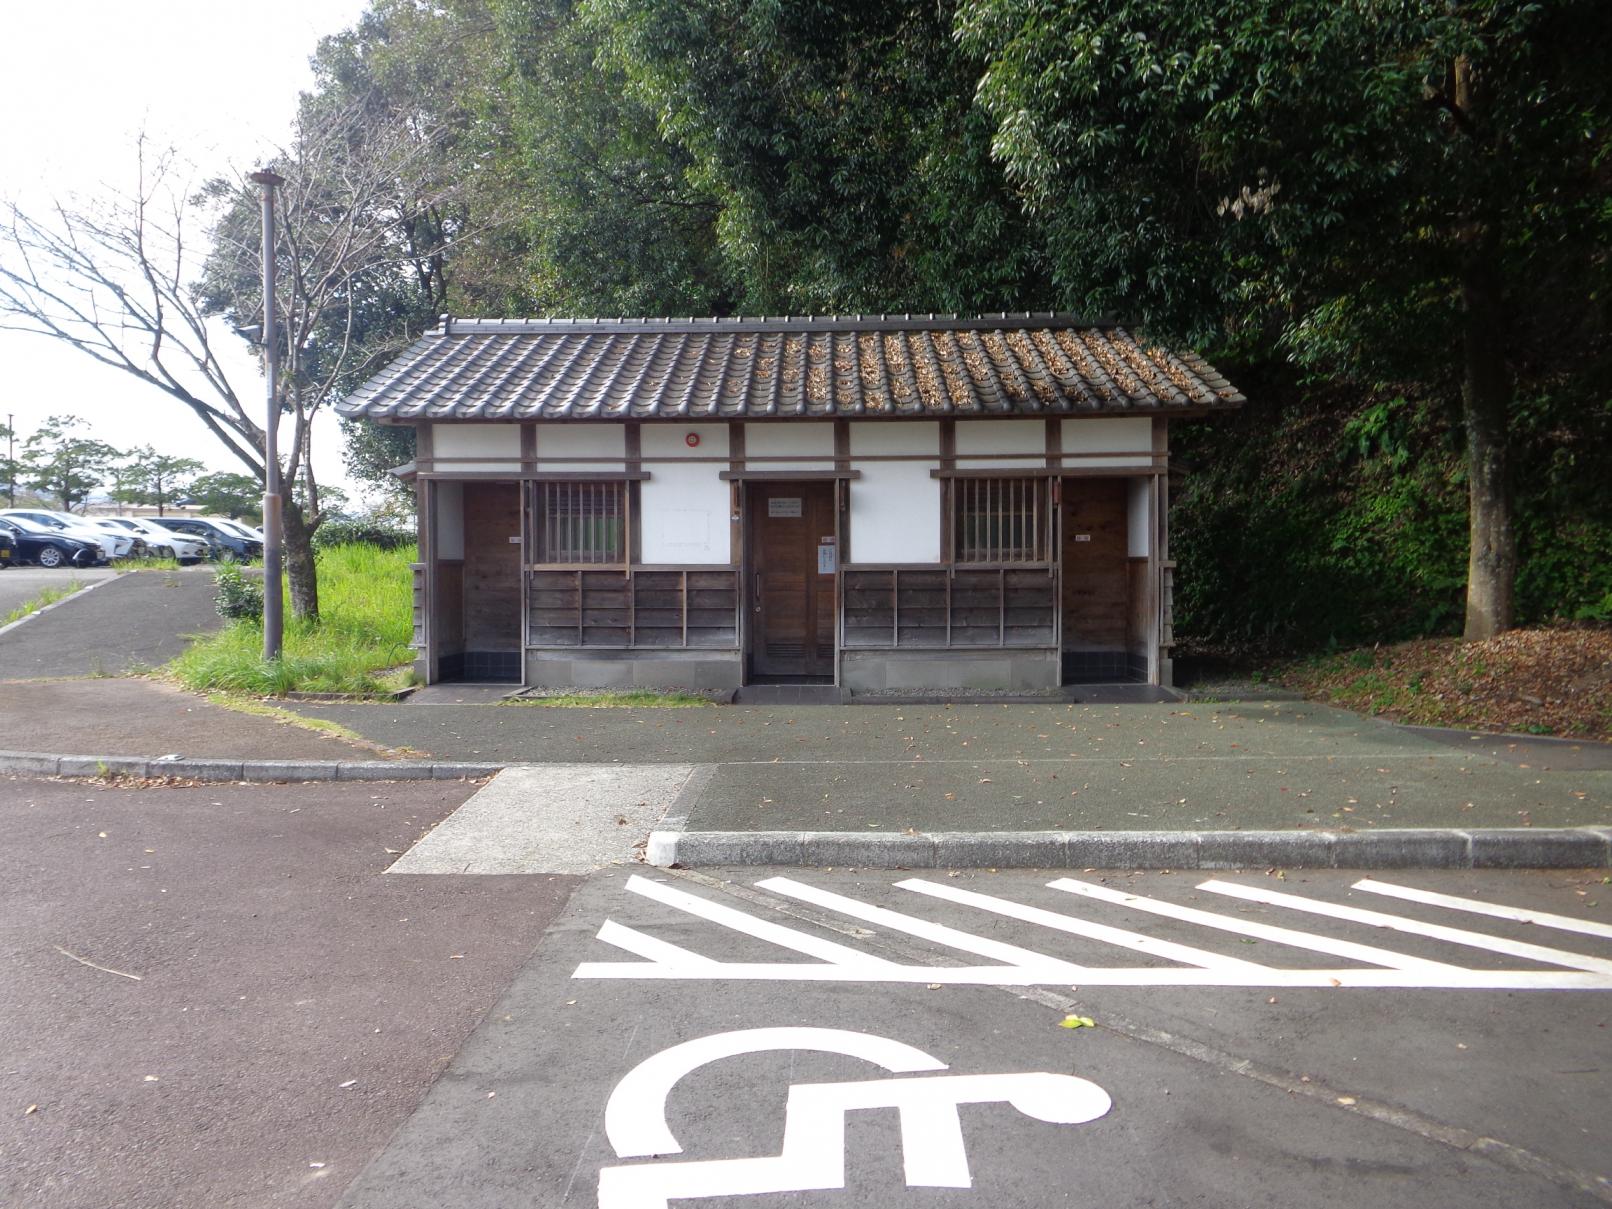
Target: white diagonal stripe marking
{"points": [[1249, 927], [648, 947], [1544, 919], [1082, 927], [922, 928], [1398, 923], [777, 934]]}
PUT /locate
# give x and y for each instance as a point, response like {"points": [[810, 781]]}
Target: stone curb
{"points": [[270, 771], [1389, 848]]}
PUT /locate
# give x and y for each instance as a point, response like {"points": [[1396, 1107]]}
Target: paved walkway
{"points": [[897, 784], [19, 585], [141, 619]]}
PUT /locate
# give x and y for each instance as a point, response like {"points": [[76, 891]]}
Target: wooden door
{"points": [[792, 569], [1096, 586]]}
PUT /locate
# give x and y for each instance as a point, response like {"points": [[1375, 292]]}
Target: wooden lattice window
{"points": [[578, 523], [1000, 520]]}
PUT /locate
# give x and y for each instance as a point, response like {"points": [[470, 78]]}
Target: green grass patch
{"points": [[607, 699], [323, 726], [359, 645], [48, 597]]}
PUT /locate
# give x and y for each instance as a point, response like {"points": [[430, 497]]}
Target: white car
{"points": [[113, 545], [162, 541]]}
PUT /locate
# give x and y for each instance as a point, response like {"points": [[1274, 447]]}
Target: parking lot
{"points": [[845, 1038]]}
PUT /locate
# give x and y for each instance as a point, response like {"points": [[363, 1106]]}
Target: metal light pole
{"points": [[273, 547], [11, 460]]}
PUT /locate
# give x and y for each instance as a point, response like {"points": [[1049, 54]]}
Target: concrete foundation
{"points": [[634, 669], [995, 669]]}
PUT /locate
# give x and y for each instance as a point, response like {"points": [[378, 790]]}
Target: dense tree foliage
{"points": [[1388, 219]]}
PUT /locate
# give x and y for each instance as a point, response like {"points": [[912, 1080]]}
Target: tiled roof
{"points": [[887, 365]]}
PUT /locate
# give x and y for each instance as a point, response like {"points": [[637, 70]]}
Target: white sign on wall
{"points": [[786, 506]]}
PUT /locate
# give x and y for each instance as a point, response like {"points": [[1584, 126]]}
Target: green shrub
{"points": [[361, 531], [236, 597]]}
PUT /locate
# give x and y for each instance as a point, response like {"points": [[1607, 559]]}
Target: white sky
{"points": [[79, 79]]}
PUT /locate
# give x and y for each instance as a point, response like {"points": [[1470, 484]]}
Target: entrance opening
{"points": [[477, 628], [1104, 583], [794, 562]]}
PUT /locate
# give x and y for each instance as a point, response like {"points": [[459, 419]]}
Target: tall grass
{"points": [[362, 634]]}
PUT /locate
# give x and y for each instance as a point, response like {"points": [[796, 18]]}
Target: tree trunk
{"points": [[299, 563], [1486, 399]]}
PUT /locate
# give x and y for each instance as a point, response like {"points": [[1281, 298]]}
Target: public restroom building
{"points": [[875, 503]]}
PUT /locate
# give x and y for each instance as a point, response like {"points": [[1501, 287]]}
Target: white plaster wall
{"points": [[1107, 434], [500, 444], [558, 442], [895, 506], [1138, 517], [685, 516], [450, 532], [809, 442], [1001, 438]]}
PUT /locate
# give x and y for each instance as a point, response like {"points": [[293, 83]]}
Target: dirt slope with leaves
{"points": [[1555, 681]]}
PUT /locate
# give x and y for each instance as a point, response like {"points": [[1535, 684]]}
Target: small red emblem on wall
{"points": [[692, 439]]}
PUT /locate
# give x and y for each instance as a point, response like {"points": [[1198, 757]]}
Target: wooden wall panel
{"points": [[1139, 627], [1096, 574], [448, 628], [492, 567]]}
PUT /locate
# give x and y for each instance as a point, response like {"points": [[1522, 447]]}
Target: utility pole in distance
{"points": [[273, 543], [11, 460]]}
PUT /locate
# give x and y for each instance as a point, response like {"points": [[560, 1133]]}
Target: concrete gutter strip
{"points": [[268, 771], [1388, 848]]}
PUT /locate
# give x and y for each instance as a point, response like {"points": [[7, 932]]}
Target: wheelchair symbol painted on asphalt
{"points": [[813, 1154]]}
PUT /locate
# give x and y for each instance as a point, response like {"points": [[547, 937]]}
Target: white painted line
{"points": [[840, 963], [1082, 927], [1544, 919], [1452, 978], [728, 917], [922, 928], [1413, 927], [649, 948], [1249, 927]]}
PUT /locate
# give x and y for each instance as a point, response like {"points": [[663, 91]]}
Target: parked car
{"points": [[8, 546], [185, 548], [49, 547], [138, 550], [227, 544], [241, 527], [112, 544]]}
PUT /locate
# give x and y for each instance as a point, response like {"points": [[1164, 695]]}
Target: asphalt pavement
{"points": [[19, 585], [858, 1039], [135, 620], [216, 996]]}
